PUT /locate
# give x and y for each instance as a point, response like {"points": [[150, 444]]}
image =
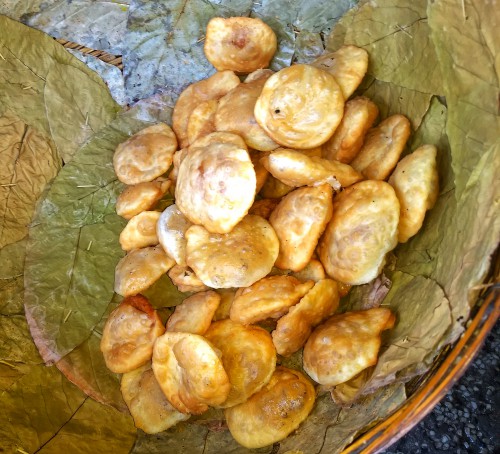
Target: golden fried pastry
{"points": [[140, 231], [344, 288], [226, 300], [189, 372], [213, 87], [140, 269], [241, 44], [229, 138], [202, 120], [148, 405], [345, 344], [274, 412], [415, 181], [293, 329], [195, 313], [216, 186], [348, 65], [170, 229], [299, 220], [363, 229], [359, 115], [313, 152], [261, 172], [185, 279], [235, 113], [248, 356], [146, 155], [300, 106], [296, 169], [179, 156], [129, 334], [235, 259], [263, 207], [257, 74], [271, 297], [274, 188], [313, 271], [141, 197], [382, 147]]}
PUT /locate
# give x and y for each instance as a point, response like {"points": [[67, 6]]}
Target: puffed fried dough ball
{"points": [[344, 288], [300, 106], [274, 188], [195, 313], [129, 334], [270, 297], [141, 197], [359, 116], [228, 138], [415, 181], [299, 220], [146, 155], [345, 345], [382, 147], [226, 300], [293, 329], [189, 372], [171, 229], [348, 65], [148, 405], [296, 169], [140, 269], [235, 113], [257, 74], [235, 259], [179, 156], [213, 87], [364, 227], [312, 152], [274, 412], [185, 279], [202, 120], [261, 173], [216, 186], [263, 207], [241, 44], [140, 231], [313, 271], [248, 356]]}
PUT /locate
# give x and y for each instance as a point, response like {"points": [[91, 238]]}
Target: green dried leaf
{"points": [[49, 89]]}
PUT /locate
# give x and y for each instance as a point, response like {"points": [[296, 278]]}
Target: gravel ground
{"points": [[467, 420]]}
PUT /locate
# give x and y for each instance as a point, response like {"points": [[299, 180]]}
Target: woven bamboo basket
{"points": [[424, 392]]}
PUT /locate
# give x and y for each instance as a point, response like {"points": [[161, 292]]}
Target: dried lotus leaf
{"points": [[241, 44], [202, 120], [270, 297], [313, 271], [274, 188], [415, 181], [216, 186], [348, 65], [141, 197], [363, 229], [359, 115], [235, 113], [345, 344], [299, 220], [214, 87], [195, 313], [140, 231], [189, 372], [271, 414], [382, 148], [294, 328], [235, 259], [146, 155], [185, 279], [248, 356], [148, 405], [263, 207], [129, 334], [140, 269], [296, 169], [171, 228], [300, 106]]}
